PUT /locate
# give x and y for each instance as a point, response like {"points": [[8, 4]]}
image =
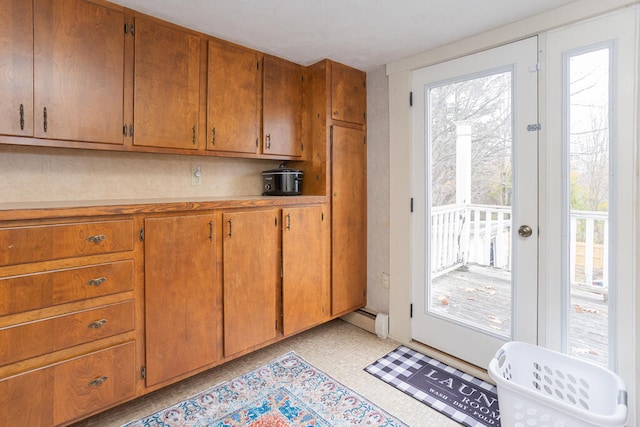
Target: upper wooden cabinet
{"points": [[348, 94], [78, 71], [166, 86], [282, 108], [16, 67], [233, 98], [91, 74]]}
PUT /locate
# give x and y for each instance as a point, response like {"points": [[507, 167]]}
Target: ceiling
{"points": [[365, 34]]}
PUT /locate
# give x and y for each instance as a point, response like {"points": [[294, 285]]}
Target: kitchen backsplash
{"points": [[33, 174]]}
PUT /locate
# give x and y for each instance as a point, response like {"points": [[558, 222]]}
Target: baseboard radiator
{"points": [[376, 323]]}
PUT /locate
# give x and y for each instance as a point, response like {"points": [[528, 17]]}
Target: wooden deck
{"points": [[482, 295]]}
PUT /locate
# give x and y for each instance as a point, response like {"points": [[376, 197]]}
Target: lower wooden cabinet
{"points": [[68, 318], [146, 300], [306, 293], [181, 299], [251, 278]]}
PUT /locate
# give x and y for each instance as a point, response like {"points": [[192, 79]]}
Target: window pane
{"points": [[470, 146], [589, 149]]}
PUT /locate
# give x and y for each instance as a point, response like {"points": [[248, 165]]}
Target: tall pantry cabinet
{"points": [[336, 106]]}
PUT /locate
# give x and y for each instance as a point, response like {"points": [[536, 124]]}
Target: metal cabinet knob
{"points": [[525, 231]]}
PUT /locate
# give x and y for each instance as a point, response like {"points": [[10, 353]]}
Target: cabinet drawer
{"points": [[40, 290], [26, 400], [93, 382], [70, 390], [44, 336], [47, 242]]}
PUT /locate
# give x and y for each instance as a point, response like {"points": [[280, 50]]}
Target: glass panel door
{"points": [[475, 209]]}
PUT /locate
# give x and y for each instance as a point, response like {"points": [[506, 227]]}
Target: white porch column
{"points": [[463, 185]]}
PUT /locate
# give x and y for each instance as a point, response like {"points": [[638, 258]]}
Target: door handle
{"points": [[525, 231]]}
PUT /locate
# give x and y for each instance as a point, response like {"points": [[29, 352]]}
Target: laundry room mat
{"points": [[464, 398]]}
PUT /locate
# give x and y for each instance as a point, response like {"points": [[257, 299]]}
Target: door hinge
{"points": [[411, 207], [534, 127], [302, 147], [534, 68], [143, 372], [276, 324], [411, 311], [410, 99], [142, 234]]}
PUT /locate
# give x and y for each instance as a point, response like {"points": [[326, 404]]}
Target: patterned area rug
{"points": [[286, 392], [462, 397]]}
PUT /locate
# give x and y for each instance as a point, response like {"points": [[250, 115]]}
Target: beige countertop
{"points": [[60, 209]]}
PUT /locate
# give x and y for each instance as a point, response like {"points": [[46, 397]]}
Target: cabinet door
{"points": [[348, 94], [282, 108], [233, 94], [78, 74], [305, 267], [16, 67], [349, 218], [180, 295], [167, 86], [251, 266]]}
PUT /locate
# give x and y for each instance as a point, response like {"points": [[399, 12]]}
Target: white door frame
{"points": [[622, 29], [400, 234]]}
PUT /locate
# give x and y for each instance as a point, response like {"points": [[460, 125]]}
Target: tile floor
{"points": [[337, 348]]}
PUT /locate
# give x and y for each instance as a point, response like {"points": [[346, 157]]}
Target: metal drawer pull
{"points": [[96, 239], [96, 282], [98, 324], [96, 382]]}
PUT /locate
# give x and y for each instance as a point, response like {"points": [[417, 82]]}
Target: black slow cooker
{"points": [[282, 182]]}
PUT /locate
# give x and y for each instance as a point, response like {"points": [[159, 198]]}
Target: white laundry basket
{"points": [[544, 388]]}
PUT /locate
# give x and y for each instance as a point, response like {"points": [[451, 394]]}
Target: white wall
{"points": [[377, 189]]}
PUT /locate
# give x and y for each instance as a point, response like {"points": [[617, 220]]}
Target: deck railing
{"points": [[481, 235]]}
